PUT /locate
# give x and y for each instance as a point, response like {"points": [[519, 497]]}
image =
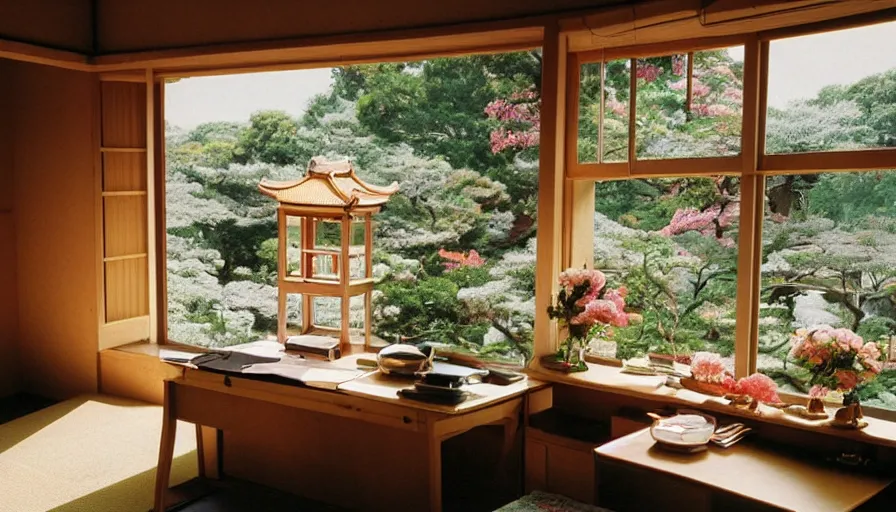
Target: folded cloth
{"points": [[229, 362]]}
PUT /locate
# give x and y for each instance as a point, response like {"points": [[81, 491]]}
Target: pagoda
{"points": [[325, 248]]}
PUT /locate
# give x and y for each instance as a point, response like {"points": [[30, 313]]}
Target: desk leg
{"points": [[511, 426], [434, 446], [208, 451], [166, 448]]}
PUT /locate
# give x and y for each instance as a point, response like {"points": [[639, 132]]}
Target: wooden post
{"points": [[690, 91], [345, 282], [368, 273], [752, 207], [550, 185], [632, 115], [282, 272], [309, 234], [579, 224]]}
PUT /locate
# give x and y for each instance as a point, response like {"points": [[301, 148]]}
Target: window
{"points": [[689, 105], [829, 259], [603, 118], [667, 225], [673, 244], [686, 106], [816, 107], [453, 250]]}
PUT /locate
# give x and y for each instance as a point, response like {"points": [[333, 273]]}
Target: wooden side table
{"points": [[633, 474]]}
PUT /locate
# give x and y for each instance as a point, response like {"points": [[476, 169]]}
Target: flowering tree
{"points": [[518, 119]]}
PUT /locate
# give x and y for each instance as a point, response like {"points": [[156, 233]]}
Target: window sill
{"points": [[611, 380]]}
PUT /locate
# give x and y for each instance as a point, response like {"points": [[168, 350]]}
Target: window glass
{"points": [[672, 243], [668, 126], [453, 250], [589, 111], [616, 107], [832, 91], [617, 83], [829, 258]]}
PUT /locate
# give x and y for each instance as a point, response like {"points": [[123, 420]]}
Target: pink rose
{"points": [[870, 350], [603, 311], [846, 379], [616, 297], [872, 365]]}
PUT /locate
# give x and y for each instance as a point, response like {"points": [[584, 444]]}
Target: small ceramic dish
{"points": [[686, 431]]}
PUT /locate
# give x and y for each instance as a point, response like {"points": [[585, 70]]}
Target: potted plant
{"points": [[586, 308], [837, 359]]}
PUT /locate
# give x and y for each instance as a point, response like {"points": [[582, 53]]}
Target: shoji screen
{"points": [[124, 191]]}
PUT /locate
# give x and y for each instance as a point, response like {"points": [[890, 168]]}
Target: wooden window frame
{"points": [[752, 165], [550, 180], [565, 229]]}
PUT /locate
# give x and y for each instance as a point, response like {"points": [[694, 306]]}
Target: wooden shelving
{"points": [[560, 453]]}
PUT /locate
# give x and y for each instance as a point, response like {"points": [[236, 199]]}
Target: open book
{"points": [[312, 375]]}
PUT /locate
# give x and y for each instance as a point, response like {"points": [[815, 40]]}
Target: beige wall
{"points": [[64, 24], [9, 377], [153, 24], [55, 226]]}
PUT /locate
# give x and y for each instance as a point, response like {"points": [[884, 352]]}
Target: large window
{"points": [[454, 254], [675, 184]]}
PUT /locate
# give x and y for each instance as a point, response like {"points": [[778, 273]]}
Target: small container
{"points": [[402, 359], [688, 431]]}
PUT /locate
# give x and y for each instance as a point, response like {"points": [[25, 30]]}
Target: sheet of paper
{"points": [[261, 348], [311, 375]]}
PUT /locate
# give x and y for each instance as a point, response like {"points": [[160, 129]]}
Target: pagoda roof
{"points": [[328, 184]]}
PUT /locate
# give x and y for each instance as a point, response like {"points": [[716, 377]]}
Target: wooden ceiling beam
{"points": [[468, 38], [658, 23], [35, 54]]}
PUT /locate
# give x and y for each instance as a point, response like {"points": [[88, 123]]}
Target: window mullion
{"points": [[632, 113], [600, 120], [690, 84], [752, 206]]}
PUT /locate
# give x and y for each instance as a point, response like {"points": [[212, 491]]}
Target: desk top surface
{"points": [[750, 470], [375, 386]]}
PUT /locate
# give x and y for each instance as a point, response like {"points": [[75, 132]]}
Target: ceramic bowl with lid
{"points": [[687, 430]]}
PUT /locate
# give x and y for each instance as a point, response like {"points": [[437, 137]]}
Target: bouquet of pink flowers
{"points": [[585, 306], [837, 359]]}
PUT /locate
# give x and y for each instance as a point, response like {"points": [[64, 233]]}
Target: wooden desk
{"points": [[227, 402], [743, 477]]}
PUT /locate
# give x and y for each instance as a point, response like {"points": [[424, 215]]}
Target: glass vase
{"points": [[569, 358]]}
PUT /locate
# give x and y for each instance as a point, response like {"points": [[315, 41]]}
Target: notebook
{"points": [[313, 345]]}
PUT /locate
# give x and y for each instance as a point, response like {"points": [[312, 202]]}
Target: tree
{"points": [[272, 137], [437, 106], [875, 96]]}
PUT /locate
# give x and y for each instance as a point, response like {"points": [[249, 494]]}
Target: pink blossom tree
{"points": [[518, 121]]}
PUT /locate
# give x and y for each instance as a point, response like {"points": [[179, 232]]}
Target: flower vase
{"points": [[568, 359]]}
